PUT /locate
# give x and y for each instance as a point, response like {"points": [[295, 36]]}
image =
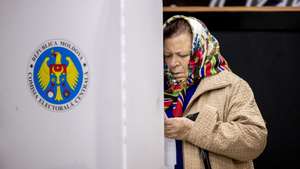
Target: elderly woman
{"points": [[211, 112]]}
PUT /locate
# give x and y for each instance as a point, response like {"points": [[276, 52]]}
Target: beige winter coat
{"points": [[229, 124]]}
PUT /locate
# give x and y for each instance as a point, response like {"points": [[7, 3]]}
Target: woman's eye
{"points": [[167, 56], [183, 55]]}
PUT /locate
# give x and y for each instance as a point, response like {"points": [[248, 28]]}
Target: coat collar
{"points": [[217, 81]]}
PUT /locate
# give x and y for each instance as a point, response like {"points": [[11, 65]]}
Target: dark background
{"points": [[263, 48]]}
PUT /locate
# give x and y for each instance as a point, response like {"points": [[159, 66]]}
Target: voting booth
{"points": [[81, 84]]}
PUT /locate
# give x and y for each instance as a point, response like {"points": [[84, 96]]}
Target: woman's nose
{"points": [[174, 61]]}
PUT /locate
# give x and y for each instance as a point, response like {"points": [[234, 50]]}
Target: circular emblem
{"points": [[58, 75]]}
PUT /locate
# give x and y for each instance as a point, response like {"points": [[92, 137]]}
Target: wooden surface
{"points": [[229, 9]]}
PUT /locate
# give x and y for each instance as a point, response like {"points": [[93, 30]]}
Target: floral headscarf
{"points": [[206, 60]]}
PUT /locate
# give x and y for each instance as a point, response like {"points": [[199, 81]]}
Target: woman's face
{"points": [[177, 51]]}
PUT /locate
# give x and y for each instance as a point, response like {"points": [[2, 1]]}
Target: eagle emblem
{"points": [[58, 77]]}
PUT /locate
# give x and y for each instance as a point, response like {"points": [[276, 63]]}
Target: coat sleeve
{"points": [[241, 137]]}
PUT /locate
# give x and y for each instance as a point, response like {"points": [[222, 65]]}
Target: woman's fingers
{"points": [[177, 127], [170, 134], [169, 121], [170, 128]]}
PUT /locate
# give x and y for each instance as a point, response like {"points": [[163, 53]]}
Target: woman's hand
{"points": [[177, 127]]}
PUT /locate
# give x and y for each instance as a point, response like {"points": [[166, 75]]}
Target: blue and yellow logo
{"points": [[58, 75]]}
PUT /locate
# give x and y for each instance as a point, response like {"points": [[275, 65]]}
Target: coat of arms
{"points": [[58, 76]]}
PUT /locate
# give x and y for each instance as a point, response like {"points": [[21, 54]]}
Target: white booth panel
{"points": [[144, 59], [118, 122]]}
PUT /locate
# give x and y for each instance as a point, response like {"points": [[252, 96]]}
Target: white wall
{"points": [[103, 131]]}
